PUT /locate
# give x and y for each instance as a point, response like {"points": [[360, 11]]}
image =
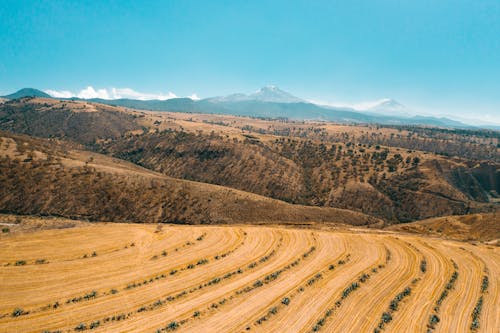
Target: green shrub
{"points": [[17, 312], [80, 327]]}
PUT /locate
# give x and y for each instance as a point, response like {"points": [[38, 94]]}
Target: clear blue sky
{"points": [[437, 56]]}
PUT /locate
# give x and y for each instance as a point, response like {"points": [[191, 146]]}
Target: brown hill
{"points": [[485, 227], [78, 121], [390, 184], [398, 185], [52, 178]]}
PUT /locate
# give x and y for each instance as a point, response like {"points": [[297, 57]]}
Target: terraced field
{"points": [[129, 278]]}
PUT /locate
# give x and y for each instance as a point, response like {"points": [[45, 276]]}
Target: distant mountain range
{"points": [[272, 102]]}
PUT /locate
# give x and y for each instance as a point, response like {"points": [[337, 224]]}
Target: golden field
{"points": [[109, 277]]}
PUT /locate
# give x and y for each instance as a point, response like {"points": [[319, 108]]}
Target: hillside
{"points": [[314, 164], [80, 122], [47, 177], [483, 227]]}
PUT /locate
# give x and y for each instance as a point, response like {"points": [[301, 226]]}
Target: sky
{"points": [[436, 57]]}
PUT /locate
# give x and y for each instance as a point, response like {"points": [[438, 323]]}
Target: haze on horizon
{"points": [[436, 58]]}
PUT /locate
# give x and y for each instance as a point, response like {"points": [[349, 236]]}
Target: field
{"points": [[109, 277]]}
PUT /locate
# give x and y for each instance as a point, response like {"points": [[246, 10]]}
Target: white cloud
{"points": [[90, 92], [60, 94], [113, 93], [194, 97], [117, 93]]}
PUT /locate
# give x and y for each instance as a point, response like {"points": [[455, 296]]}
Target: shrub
{"points": [[433, 320], [484, 284], [80, 327], [173, 326], [285, 301], [17, 312], [423, 266], [20, 263], [5, 230], [476, 313], [386, 317], [94, 324]]}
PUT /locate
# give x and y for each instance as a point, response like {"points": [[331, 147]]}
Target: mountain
{"points": [[266, 94], [27, 92], [274, 94], [389, 107]]}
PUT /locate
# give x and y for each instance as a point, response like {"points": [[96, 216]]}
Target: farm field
{"points": [[109, 277]]}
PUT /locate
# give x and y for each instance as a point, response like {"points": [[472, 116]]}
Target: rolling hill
{"points": [[385, 182], [47, 177]]}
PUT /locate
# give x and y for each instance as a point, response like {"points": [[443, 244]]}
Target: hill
{"points": [[27, 92], [47, 177], [314, 164], [483, 227], [78, 121]]}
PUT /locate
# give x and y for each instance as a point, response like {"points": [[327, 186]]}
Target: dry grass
{"points": [[238, 278], [483, 227]]}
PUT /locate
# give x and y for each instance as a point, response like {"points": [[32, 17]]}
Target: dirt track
{"points": [[131, 278]]}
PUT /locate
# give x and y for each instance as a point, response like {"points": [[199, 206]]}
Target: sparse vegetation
{"points": [[393, 307], [476, 314], [18, 312], [423, 266]]}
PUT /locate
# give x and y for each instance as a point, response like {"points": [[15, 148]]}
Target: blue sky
{"points": [[440, 57]]}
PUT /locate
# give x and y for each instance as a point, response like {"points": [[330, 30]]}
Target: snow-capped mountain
{"points": [[265, 94], [274, 94], [388, 107]]}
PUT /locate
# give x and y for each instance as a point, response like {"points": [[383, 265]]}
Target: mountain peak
{"points": [[388, 102], [264, 94], [27, 92], [274, 94], [390, 107]]}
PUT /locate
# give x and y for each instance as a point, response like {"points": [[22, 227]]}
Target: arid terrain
{"points": [[121, 220], [393, 174]]}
